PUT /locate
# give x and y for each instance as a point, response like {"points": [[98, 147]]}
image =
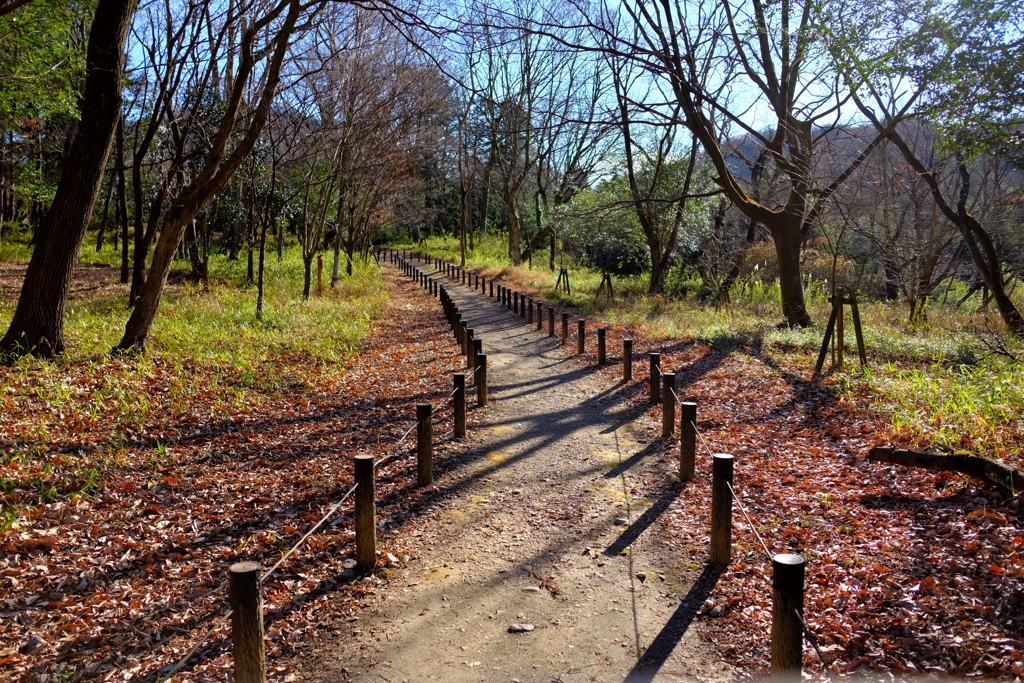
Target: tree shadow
{"points": [[644, 521]]}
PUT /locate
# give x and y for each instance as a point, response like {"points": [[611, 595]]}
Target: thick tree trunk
{"points": [[787, 249], [514, 249], [38, 323]]}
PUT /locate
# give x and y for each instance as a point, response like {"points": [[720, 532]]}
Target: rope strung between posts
{"points": [[696, 431], [747, 517], [814, 643]]}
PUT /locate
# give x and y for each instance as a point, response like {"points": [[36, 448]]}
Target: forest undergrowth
{"points": [[130, 484]]}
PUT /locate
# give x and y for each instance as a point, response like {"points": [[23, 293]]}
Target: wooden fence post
{"points": [[655, 378], [565, 329], [424, 444], [469, 347], [551, 321], [721, 508], [459, 401], [481, 379], [492, 288], [787, 613], [602, 359], [366, 514], [508, 298], [478, 347], [540, 315], [627, 360], [687, 440], [668, 404], [529, 311], [522, 306], [515, 304], [581, 336], [250, 665]]}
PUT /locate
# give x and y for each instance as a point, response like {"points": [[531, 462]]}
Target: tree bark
{"points": [[38, 323]]}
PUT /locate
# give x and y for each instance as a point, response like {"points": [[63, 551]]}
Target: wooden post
{"points": [[529, 311], [565, 329], [522, 306], [551, 321], [627, 360], [540, 315], [366, 514], [508, 298], [478, 347], [721, 509], [515, 304], [787, 614], [464, 337], [492, 288], [840, 294], [855, 314], [470, 342], [246, 599], [668, 404], [424, 445], [828, 336], [601, 357], [687, 440], [481, 379], [459, 382], [581, 336], [655, 378]]}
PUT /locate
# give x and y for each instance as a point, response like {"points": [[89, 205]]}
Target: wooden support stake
{"points": [[250, 665], [459, 382], [424, 445], [687, 440], [366, 514], [721, 509], [481, 379], [581, 336], [655, 378], [787, 614], [828, 337], [855, 314], [840, 345], [602, 359], [627, 360], [565, 329], [668, 404]]}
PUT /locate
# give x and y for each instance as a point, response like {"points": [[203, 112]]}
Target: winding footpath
{"points": [[538, 560]]}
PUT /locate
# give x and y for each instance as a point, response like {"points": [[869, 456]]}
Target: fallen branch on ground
{"points": [[992, 471]]}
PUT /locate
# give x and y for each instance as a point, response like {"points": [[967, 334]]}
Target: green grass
{"points": [[67, 420], [938, 385]]}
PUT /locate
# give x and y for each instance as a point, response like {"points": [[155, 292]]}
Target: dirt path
{"points": [[550, 519]]}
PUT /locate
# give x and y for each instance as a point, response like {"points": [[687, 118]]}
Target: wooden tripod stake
{"points": [[835, 327]]}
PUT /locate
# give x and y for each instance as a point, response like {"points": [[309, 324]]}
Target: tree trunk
{"points": [[122, 200], [514, 252], [787, 249], [38, 323], [307, 276], [106, 215], [260, 272]]}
